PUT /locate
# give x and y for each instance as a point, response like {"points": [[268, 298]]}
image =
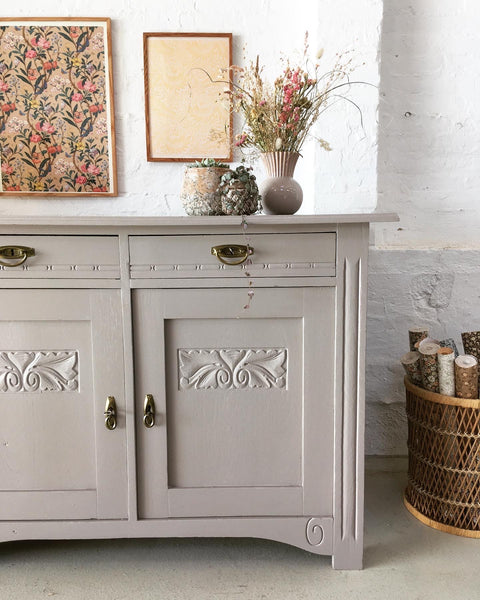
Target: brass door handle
{"points": [[232, 254], [110, 413], [19, 253], [149, 411]]}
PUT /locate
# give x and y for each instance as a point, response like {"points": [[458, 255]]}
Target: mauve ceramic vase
{"points": [[281, 194]]}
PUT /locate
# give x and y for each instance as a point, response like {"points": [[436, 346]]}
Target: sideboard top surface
{"points": [[192, 223]]}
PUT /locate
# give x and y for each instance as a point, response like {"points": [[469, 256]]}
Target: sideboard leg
{"points": [[348, 556]]}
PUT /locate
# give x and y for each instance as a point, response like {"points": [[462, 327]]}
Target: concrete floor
{"points": [[404, 560]]}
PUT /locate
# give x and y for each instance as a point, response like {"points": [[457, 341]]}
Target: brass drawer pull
{"points": [[110, 413], [20, 253], [149, 411], [232, 254]]}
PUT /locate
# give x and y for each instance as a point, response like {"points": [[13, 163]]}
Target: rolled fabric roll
{"points": [[415, 334], [411, 363], [446, 371], [466, 378], [450, 343], [471, 344], [428, 365], [425, 341]]}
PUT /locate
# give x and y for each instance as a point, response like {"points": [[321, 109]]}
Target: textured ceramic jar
{"points": [[281, 194], [200, 194]]}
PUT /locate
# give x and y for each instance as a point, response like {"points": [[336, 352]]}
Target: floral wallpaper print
{"points": [[54, 102]]}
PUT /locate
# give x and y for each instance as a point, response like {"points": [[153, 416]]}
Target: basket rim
{"points": [[440, 398], [471, 533]]}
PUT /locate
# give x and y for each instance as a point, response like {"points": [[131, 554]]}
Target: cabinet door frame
{"points": [[102, 309], [316, 307]]}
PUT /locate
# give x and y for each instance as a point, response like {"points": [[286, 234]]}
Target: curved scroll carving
{"points": [[232, 368], [314, 532], [38, 371]]}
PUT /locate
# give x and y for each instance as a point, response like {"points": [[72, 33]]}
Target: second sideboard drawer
{"points": [[279, 255], [59, 257]]}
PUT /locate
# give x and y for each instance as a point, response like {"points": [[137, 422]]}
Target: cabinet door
{"points": [[244, 401], [61, 356]]}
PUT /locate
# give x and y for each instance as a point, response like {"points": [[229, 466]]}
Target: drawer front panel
{"points": [[275, 255], [63, 257]]}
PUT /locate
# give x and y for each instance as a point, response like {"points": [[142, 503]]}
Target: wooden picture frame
{"points": [[188, 115], [57, 129]]}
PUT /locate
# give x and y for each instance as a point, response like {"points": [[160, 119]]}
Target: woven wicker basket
{"points": [[443, 489]]}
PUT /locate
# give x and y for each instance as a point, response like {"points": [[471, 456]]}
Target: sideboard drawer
{"points": [[62, 256], [274, 255]]}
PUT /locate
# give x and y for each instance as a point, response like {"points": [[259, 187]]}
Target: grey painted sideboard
{"points": [[150, 388]]}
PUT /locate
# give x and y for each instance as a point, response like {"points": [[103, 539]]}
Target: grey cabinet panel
{"points": [[59, 360], [239, 410]]}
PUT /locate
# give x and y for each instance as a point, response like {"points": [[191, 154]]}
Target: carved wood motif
{"points": [[232, 368], [38, 371], [258, 266], [65, 268], [314, 532]]}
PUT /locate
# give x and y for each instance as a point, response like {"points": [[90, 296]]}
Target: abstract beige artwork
{"points": [[187, 110]]}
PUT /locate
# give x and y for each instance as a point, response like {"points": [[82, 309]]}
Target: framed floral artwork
{"points": [[57, 133], [188, 115]]}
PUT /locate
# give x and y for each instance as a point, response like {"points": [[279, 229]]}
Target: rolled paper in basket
{"points": [[411, 364], [428, 365], [466, 378], [450, 343], [446, 371], [415, 334], [425, 341], [471, 344]]}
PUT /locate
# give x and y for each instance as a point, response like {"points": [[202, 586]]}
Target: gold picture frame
{"points": [[188, 115], [57, 129]]}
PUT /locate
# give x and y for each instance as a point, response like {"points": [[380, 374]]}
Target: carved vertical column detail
{"points": [[350, 397], [351, 400]]}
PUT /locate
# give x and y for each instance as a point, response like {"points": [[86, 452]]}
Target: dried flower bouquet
{"points": [[280, 116]]}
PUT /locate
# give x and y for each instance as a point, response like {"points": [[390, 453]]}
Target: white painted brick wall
{"points": [[345, 179], [425, 269], [429, 126]]}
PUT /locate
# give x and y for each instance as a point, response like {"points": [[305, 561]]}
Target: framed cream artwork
{"points": [[188, 114]]}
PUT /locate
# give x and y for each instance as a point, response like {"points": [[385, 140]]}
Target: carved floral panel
{"points": [[38, 371], [232, 368]]}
